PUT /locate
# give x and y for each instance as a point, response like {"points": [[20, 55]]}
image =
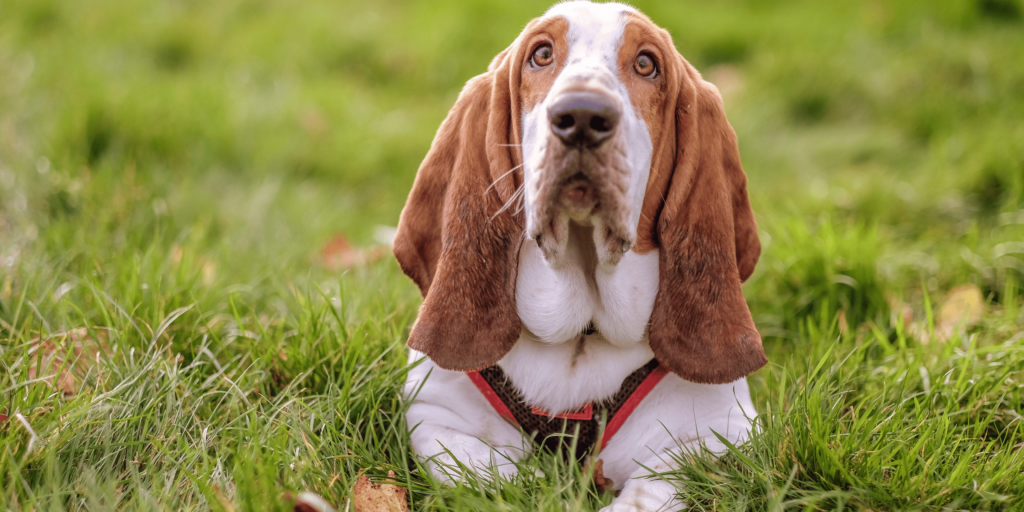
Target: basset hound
{"points": [[580, 230]]}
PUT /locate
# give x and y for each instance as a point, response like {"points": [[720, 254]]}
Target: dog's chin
{"points": [[588, 189]]}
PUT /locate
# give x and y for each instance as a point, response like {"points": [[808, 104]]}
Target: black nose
{"points": [[583, 119]]}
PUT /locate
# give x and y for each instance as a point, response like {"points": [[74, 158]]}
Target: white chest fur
{"points": [[553, 364]]}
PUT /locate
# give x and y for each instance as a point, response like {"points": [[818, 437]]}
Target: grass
{"points": [[170, 172]]}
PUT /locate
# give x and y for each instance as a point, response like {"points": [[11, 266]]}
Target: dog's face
{"points": [[592, 95]]}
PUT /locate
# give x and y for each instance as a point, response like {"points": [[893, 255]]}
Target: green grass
{"points": [[169, 172]]}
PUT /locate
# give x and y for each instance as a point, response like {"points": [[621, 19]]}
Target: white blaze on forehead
{"points": [[595, 32]]}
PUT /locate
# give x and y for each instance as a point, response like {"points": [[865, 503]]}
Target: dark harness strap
{"points": [[556, 431]]}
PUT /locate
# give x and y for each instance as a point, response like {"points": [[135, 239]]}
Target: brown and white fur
{"points": [[519, 236]]}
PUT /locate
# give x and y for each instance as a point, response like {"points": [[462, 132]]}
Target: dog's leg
{"points": [[646, 492], [451, 420], [439, 446]]}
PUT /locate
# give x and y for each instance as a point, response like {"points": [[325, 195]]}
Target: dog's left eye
{"points": [[644, 66], [542, 56]]}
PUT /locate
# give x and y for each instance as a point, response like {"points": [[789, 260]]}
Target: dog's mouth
{"points": [[579, 198]]}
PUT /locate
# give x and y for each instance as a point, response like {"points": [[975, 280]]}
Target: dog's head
{"points": [[591, 116]]}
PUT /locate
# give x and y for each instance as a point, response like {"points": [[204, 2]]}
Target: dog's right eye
{"points": [[542, 56], [645, 66]]}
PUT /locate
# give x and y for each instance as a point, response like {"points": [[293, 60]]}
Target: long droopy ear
{"points": [[701, 327], [456, 240]]}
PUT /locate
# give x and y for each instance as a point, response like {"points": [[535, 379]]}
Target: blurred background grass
{"points": [[257, 129], [157, 155]]}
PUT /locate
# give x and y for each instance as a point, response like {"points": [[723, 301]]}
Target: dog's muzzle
{"points": [[583, 174], [582, 121]]}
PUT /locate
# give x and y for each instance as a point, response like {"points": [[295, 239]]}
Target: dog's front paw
{"points": [[445, 468], [646, 496], [634, 506], [474, 455]]}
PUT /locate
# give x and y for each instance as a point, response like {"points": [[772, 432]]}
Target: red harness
{"points": [[619, 411]]}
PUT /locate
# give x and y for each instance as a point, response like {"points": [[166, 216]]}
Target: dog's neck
{"points": [[554, 364]]}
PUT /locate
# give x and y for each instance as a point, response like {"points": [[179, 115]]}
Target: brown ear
{"points": [[701, 327], [455, 240]]}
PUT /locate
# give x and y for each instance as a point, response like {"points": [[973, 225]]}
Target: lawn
{"points": [[195, 312]]}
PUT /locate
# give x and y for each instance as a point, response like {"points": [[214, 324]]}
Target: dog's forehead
{"points": [[594, 27]]}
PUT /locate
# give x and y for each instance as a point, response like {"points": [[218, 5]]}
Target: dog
{"points": [[580, 230]]}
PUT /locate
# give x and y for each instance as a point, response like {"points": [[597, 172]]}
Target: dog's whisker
{"points": [[511, 200], [495, 182], [522, 203]]}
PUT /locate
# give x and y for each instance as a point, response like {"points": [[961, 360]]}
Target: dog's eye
{"points": [[543, 56], [644, 66]]}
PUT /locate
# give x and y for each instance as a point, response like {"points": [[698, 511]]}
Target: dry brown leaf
{"points": [[602, 483], [843, 324], [899, 308], [176, 255], [67, 356], [314, 123], [370, 497], [209, 273], [962, 308], [339, 254]]}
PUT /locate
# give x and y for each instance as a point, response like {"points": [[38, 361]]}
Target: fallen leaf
{"points": [[961, 309], [209, 273], [68, 355], [899, 308], [602, 483], [370, 497], [339, 254], [314, 123], [176, 255]]}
